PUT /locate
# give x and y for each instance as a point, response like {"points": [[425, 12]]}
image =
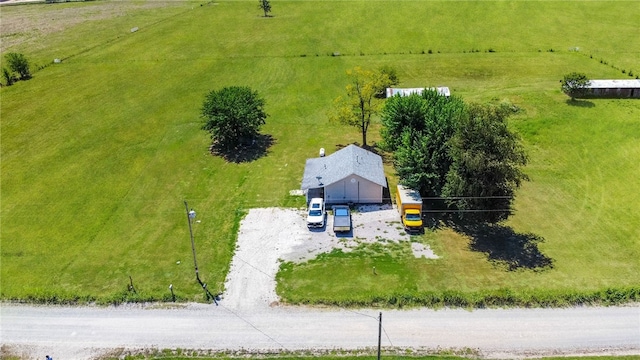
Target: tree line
{"points": [[462, 156]]}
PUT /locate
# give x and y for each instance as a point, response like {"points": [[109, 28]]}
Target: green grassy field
{"points": [[99, 152]]}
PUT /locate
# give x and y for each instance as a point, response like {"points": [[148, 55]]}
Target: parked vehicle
{"points": [[341, 218], [410, 208], [316, 214]]}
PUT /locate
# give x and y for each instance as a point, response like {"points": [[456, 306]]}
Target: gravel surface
{"points": [[87, 332], [269, 236]]}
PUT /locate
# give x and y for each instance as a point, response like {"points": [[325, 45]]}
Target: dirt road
{"points": [[82, 333]]}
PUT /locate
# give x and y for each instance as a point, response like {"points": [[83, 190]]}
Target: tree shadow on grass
{"points": [[580, 103], [503, 246], [247, 151]]}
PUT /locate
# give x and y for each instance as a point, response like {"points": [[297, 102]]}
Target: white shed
{"points": [[442, 90]]}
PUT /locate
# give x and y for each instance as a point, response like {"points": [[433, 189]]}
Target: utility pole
{"points": [[190, 215], [379, 334]]}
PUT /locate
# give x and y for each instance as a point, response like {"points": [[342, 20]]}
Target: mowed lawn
{"points": [[99, 152]]}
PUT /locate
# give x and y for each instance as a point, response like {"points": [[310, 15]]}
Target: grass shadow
{"points": [[503, 246], [436, 214], [248, 151], [580, 103]]}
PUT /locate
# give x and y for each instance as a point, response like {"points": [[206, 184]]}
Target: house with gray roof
{"points": [[350, 175]]}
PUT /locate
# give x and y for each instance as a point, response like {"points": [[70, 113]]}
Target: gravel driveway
{"points": [[269, 236]]}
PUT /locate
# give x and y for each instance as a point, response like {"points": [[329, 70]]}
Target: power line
{"points": [[465, 197], [343, 308], [247, 263], [358, 313], [467, 210], [255, 327], [387, 335], [374, 318]]}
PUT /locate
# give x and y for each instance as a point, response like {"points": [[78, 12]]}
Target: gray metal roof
{"points": [[615, 84], [352, 160]]}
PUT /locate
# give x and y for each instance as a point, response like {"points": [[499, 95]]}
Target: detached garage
{"points": [[350, 175]]}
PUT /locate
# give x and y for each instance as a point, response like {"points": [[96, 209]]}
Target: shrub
{"points": [[8, 77], [19, 64]]}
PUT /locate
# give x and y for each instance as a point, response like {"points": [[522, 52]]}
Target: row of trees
{"points": [[461, 154]]}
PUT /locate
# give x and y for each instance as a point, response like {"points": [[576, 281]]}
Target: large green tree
{"points": [[233, 115], [487, 164], [361, 102], [401, 113], [418, 128]]}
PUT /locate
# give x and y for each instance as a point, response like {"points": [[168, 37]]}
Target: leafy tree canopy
{"points": [[18, 64], [361, 102], [233, 115], [446, 148], [487, 161], [418, 128], [399, 114], [575, 84], [394, 80]]}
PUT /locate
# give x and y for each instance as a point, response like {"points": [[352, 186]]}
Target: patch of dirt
{"points": [[272, 235], [21, 23]]}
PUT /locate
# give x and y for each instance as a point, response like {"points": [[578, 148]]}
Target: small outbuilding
{"points": [[350, 175], [442, 90], [615, 88]]}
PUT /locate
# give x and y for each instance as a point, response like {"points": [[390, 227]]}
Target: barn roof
{"points": [[615, 84], [351, 160]]}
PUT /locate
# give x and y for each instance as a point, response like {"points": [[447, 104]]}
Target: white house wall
{"points": [[353, 189]]}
